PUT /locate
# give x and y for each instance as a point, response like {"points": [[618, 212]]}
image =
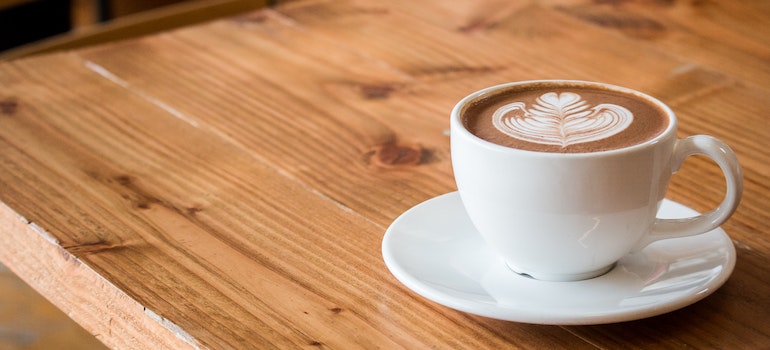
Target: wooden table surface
{"points": [[228, 185]]}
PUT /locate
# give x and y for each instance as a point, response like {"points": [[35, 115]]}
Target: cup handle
{"points": [[728, 162]]}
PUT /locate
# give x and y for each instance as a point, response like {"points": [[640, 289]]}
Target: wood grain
{"points": [[227, 185]]}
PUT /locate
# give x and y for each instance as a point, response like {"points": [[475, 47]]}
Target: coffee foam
{"points": [[564, 119]]}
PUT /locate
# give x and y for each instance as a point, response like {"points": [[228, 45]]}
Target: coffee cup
{"points": [[563, 178]]}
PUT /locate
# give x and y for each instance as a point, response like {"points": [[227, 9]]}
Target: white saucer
{"points": [[434, 250]]}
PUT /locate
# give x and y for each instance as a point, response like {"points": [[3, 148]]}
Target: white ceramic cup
{"points": [[571, 216]]}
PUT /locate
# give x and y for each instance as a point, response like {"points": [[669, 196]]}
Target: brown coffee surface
{"points": [[564, 119]]}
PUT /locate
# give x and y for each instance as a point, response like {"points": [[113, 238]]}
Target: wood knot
{"points": [[395, 155], [124, 180], [476, 25], [630, 24], [9, 106], [191, 211], [376, 91], [92, 247]]}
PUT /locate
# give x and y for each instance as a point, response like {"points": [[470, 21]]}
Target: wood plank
{"points": [[683, 82], [235, 178], [391, 89], [166, 245], [712, 34], [188, 225], [321, 104]]}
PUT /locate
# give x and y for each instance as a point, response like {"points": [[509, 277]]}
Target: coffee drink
{"points": [[563, 118], [585, 191]]}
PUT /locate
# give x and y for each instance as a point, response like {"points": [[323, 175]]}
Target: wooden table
{"points": [[228, 185]]}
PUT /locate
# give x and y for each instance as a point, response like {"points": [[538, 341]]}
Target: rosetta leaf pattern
{"points": [[561, 119]]}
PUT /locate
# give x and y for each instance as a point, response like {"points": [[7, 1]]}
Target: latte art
{"points": [[561, 119], [564, 118]]}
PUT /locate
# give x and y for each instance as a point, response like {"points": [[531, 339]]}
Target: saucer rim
{"points": [[541, 316]]}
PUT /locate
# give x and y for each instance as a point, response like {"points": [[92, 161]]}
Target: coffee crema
{"points": [[561, 118]]}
